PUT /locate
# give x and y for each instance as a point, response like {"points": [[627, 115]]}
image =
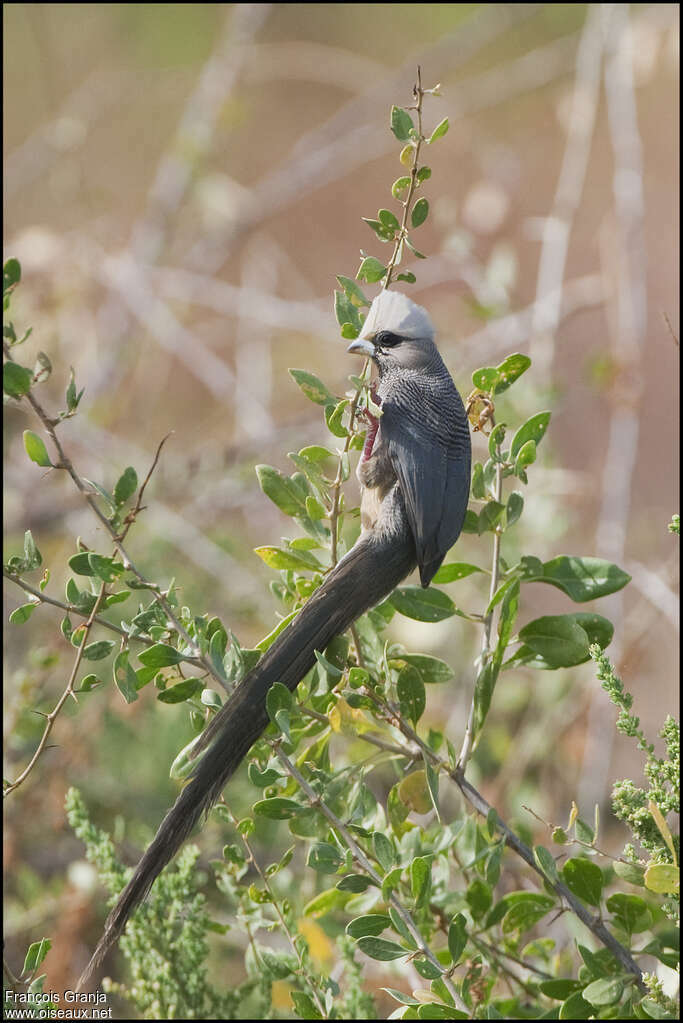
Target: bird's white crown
{"points": [[398, 314]]}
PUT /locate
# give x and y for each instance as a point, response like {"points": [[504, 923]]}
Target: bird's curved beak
{"points": [[361, 346]]}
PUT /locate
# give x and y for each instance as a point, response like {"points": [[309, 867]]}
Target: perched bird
{"points": [[415, 477]]}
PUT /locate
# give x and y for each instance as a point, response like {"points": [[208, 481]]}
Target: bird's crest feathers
{"points": [[398, 314]]}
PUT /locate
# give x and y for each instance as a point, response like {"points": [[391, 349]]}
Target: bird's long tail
{"points": [[368, 573]]}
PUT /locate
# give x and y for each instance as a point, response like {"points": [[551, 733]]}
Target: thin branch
{"points": [[69, 691], [72, 609], [469, 737], [251, 858], [132, 515], [401, 237], [475, 799], [65, 463], [362, 860]]}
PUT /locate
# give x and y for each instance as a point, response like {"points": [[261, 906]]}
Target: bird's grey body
{"points": [[415, 475]]}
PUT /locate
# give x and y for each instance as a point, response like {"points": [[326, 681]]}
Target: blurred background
{"points": [[182, 183]]}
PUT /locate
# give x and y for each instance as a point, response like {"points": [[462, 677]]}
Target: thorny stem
{"points": [[69, 691], [362, 860]]}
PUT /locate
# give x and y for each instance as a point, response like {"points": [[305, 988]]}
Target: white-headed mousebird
{"points": [[415, 477]]}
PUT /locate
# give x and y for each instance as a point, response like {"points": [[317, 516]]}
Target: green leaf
{"points": [[105, 569], [509, 370], [11, 275], [495, 440], [304, 1005], [333, 418], [124, 677], [486, 378], [32, 556], [399, 996], [353, 290], [663, 878], [384, 233], [278, 698], [388, 219], [278, 808], [401, 123], [421, 879], [371, 270], [457, 938], [431, 669], [429, 971], [581, 579], [489, 671], [479, 898], [22, 613], [415, 252], [381, 949], [400, 187], [99, 650], [411, 693], [534, 429], [576, 1007], [37, 950], [356, 883], [160, 656], [558, 639], [262, 779], [423, 174], [346, 312], [35, 449], [439, 131], [268, 640], [384, 851], [423, 605], [630, 911], [80, 564], [453, 571], [72, 397], [116, 598], [514, 508], [126, 485], [524, 913], [526, 456], [630, 872], [314, 389], [420, 212], [368, 926], [605, 991], [583, 878], [409, 277], [489, 516], [296, 561], [16, 380], [546, 862], [561, 988], [324, 858], [349, 332], [280, 490], [181, 691]]}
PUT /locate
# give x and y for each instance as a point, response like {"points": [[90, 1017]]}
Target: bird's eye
{"points": [[385, 339]]}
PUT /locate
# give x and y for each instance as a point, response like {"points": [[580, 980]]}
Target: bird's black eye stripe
{"points": [[385, 339]]}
